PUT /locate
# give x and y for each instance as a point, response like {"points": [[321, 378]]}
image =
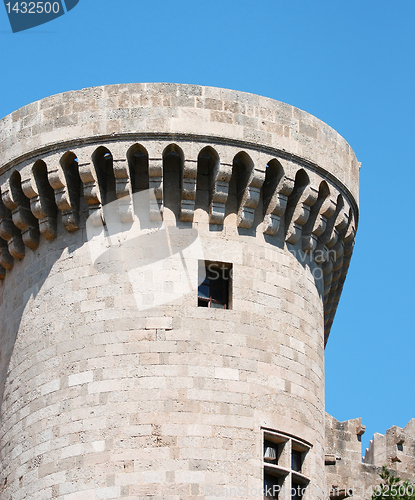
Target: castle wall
{"points": [[346, 473], [99, 397], [105, 398], [396, 449]]}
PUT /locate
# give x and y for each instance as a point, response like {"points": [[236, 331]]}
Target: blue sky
{"points": [[350, 63]]}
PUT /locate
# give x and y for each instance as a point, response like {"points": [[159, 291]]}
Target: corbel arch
{"points": [[208, 165], [37, 188], [137, 158], [104, 167], [173, 160], [242, 170]]}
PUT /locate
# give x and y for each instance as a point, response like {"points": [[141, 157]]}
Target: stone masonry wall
{"points": [[345, 470], [167, 108], [102, 399]]}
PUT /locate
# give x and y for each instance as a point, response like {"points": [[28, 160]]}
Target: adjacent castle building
{"points": [[192, 366]]}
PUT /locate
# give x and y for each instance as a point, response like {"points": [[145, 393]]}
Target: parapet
{"points": [[190, 111], [395, 449], [297, 179], [346, 472]]}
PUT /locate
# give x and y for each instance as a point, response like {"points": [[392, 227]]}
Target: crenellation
{"points": [[396, 449], [344, 466]]}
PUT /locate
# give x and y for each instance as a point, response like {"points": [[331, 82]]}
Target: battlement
{"points": [[157, 109], [395, 449], [345, 469]]}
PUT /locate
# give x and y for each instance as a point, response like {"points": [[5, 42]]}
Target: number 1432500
{"points": [[33, 7]]}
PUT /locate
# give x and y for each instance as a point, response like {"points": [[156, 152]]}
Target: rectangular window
{"points": [[296, 460], [296, 491], [272, 451], [272, 487], [215, 288]]}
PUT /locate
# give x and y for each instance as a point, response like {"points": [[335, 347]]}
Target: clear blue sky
{"points": [[350, 63]]}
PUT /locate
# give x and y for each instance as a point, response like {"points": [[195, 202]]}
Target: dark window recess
{"points": [[272, 452], [296, 460], [272, 487], [296, 491], [214, 291]]}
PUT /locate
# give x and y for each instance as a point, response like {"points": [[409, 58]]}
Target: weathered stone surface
{"points": [[102, 400], [349, 473]]}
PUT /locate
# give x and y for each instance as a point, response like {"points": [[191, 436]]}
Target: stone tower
{"points": [[219, 389]]}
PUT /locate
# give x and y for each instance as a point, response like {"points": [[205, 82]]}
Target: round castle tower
{"points": [[218, 390]]}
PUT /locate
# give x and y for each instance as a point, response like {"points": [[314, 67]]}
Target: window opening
{"points": [[296, 460], [285, 459], [272, 487], [214, 291]]}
